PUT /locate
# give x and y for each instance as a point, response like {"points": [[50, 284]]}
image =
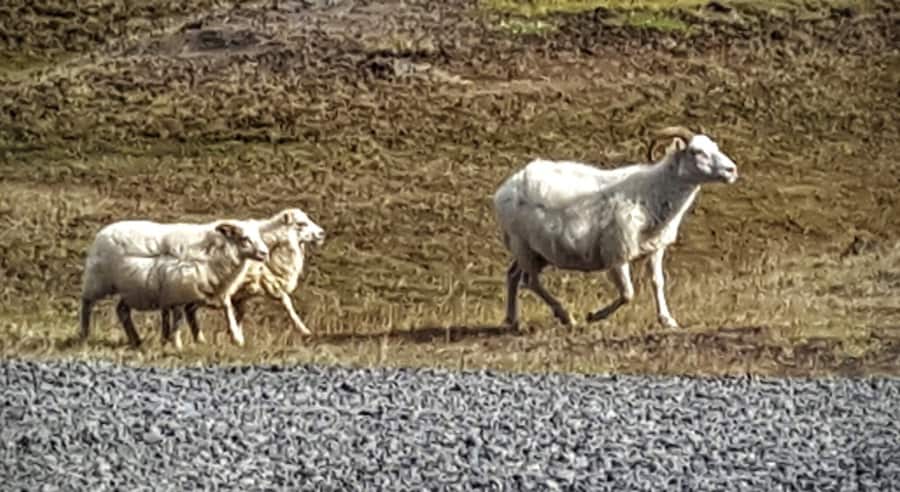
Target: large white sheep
{"points": [[287, 235], [577, 217], [153, 266]]}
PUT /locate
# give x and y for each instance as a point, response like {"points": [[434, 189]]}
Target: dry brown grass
{"points": [[395, 147]]}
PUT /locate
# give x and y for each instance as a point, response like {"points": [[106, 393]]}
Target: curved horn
{"points": [[668, 132]]}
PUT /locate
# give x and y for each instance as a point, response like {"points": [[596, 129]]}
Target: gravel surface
{"points": [[99, 426]]}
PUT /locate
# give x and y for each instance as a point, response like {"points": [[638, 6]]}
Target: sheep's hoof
{"points": [[567, 321], [304, 336], [595, 316], [511, 324], [668, 322], [200, 338]]}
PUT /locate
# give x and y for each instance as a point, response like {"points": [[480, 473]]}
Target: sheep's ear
{"points": [[228, 230], [677, 144], [287, 218]]}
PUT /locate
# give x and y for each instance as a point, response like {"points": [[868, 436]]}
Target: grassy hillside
{"points": [[391, 125]]}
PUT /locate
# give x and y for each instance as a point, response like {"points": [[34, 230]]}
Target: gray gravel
{"points": [[98, 426]]}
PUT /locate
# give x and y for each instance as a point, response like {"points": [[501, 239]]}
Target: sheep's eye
{"points": [[302, 225], [245, 240]]}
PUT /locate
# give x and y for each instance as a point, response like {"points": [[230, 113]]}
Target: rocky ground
{"points": [[99, 426]]}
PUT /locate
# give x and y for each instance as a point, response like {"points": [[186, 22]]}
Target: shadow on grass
{"points": [[748, 347], [425, 334], [75, 342]]}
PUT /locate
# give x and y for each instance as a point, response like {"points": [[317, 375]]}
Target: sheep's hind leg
{"points": [[240, 311], [123, 311], [621, 277], [190, 312], [659, 289], [534, 284], [513, 279], [87, 306], [166, 326]]}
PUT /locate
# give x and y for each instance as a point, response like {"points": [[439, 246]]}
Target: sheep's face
{"points": [[248, 240], [702, 158], [307, 230]]}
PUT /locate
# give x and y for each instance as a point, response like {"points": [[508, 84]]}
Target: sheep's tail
{"points": [[86, 306]]}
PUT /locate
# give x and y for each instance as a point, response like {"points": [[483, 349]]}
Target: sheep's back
{"points": [[556, 184], [142, 238]]}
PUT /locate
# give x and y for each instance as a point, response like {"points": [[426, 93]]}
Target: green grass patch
{"points": [[646, 14], [540, 8], [526, 26], [654, 20], [18, 65]]}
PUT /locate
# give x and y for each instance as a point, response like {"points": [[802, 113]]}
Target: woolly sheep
{"points": [[153, 266], [287, 235], [576, 217]]}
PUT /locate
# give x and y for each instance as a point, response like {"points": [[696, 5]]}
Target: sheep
{"points": [[153, 266], [286, 234], [576, 217]]}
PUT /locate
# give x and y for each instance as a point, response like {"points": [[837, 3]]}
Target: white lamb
{"points": [[153, 266], [577, 217], [287, 235]]}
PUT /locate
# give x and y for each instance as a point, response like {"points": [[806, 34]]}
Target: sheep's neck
{"points": [[283, 260], [269, 227], [664, 195], [224, 265]]}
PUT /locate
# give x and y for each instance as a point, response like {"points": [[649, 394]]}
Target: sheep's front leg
{"points": [[164, 321], [289, 306], [534, 283], [171, 317], [233, 325], [86, 306], [166, 325], [176, 322], [190, 312], [659, 289], [123, 311], [513, 278], [621, 277]]}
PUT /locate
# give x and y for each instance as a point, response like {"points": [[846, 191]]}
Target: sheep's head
{"points": [[696, 155], [307, 230], [247, 239]]}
